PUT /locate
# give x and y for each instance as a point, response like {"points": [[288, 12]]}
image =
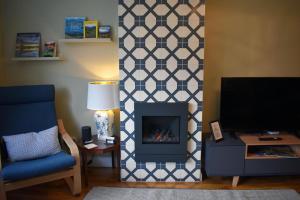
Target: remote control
{"points": [[269, 138]]}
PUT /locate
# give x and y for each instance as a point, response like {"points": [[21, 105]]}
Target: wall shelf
{"points": [[37, 59], [86, 40]]}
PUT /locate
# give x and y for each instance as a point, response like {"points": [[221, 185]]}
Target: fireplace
{"points": [[161, 132]]}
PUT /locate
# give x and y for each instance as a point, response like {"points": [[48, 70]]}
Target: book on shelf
{"points": [[90, 29], [49, 49], [28, 45], [105, 31], [280, 151], [74, 27]]}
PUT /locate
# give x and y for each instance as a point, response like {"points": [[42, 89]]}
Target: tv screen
{"points": [[260, 104]]}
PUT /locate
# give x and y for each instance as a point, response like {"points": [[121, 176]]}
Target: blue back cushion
{"points": [[26, 108]]}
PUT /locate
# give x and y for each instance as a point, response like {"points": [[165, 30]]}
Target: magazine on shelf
{"points": [[74, 27], [28, 45]]}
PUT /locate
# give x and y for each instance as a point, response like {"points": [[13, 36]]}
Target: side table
{"points": [[101, 149]]}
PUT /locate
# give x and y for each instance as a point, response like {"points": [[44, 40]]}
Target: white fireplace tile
{"points": [[129, 125], [190, 165], [150, 85], [170, 166], [150, 179], [201, 31], [171, 85], [180, 174], [123, 135], [139, 31], [182, 31], [131, 179], [198, 136], [197, 174], [141, 173], [129, 105], [190, 179], [140, 95], [150, 63], [129, 64], [157, 173], [123, 155], [129, 40], [191, 145], [161, 95], [150, 20], [161, 74], [170, 179], [182, 75], [200, 53], [150, 43], [129, 85], [130, 145], [192, 85], [130, 164], [150, 166], [193, 64], [199, 74], [192, 126], [163, 174], [183, 9], [201, 10], [194, 20], [123, 116], [124, 173], [139, 10]]}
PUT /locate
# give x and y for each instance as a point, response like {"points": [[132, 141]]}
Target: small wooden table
{"points": [[101, 148]]}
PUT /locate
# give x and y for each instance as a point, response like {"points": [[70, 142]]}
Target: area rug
{"points": [[111, 193]]}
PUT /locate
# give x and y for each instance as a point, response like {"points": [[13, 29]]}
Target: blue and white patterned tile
{"points": [[161, 51]]}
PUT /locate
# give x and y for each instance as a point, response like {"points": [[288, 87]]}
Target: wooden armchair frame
{"points": [[72, 176]]}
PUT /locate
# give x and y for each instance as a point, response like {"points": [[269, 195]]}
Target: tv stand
{"points": [[246, 155]]}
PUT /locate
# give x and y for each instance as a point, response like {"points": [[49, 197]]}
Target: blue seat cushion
{"points": [[33, 168]]}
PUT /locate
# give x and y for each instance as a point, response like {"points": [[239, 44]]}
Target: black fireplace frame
{"points": [[161, 152]]}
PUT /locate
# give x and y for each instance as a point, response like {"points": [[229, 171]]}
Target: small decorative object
{"points": [[216, 130], [28, 45], [110, 140], [90, 29], [103, 97], [105, 32], [49, 49], [74, 27]]}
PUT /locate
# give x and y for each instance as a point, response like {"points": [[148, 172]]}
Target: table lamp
{"points": [[103, 97]]}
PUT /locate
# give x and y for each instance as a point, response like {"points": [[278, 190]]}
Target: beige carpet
{"points": [[112, 193]]}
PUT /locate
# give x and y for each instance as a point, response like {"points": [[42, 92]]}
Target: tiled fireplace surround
{"points": [[161, 52]]}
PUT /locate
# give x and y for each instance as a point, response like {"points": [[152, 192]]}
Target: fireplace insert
{"points": [[161, 132]]}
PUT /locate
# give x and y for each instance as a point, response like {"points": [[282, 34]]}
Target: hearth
{"points": [[161, 132]]}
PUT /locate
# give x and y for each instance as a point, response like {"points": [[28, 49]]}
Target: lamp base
{"points": [[104, 122]]}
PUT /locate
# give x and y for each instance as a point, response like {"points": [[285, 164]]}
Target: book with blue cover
{"points": [[74, 27], [28, 45]]}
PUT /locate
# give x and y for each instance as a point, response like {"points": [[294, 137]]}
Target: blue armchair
{"points": [[32, 109]]}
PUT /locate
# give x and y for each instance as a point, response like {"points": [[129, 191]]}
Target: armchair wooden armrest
{"points": [[75, 184], [68, 140]]}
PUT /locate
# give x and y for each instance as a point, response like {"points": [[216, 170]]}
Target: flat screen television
{"points": [[260, 104]]}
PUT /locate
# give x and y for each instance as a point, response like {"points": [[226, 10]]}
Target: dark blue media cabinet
{"points": [[236, 156]]}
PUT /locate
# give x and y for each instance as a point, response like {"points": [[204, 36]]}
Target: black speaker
{"points": [[86, 134]]}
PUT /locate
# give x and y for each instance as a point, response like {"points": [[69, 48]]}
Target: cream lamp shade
{"points": [[103, 95]]}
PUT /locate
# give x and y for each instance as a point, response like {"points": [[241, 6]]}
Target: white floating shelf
{"points": [[37, 59], [87, 40]]}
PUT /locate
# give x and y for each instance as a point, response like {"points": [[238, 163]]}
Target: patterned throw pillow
{"points": [[32, 145]]}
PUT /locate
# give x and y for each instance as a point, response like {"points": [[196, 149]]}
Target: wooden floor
{"points": [[108, 177]]}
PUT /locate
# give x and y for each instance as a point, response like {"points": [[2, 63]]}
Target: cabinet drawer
{"points": [[224, 160], [286, 166]]}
